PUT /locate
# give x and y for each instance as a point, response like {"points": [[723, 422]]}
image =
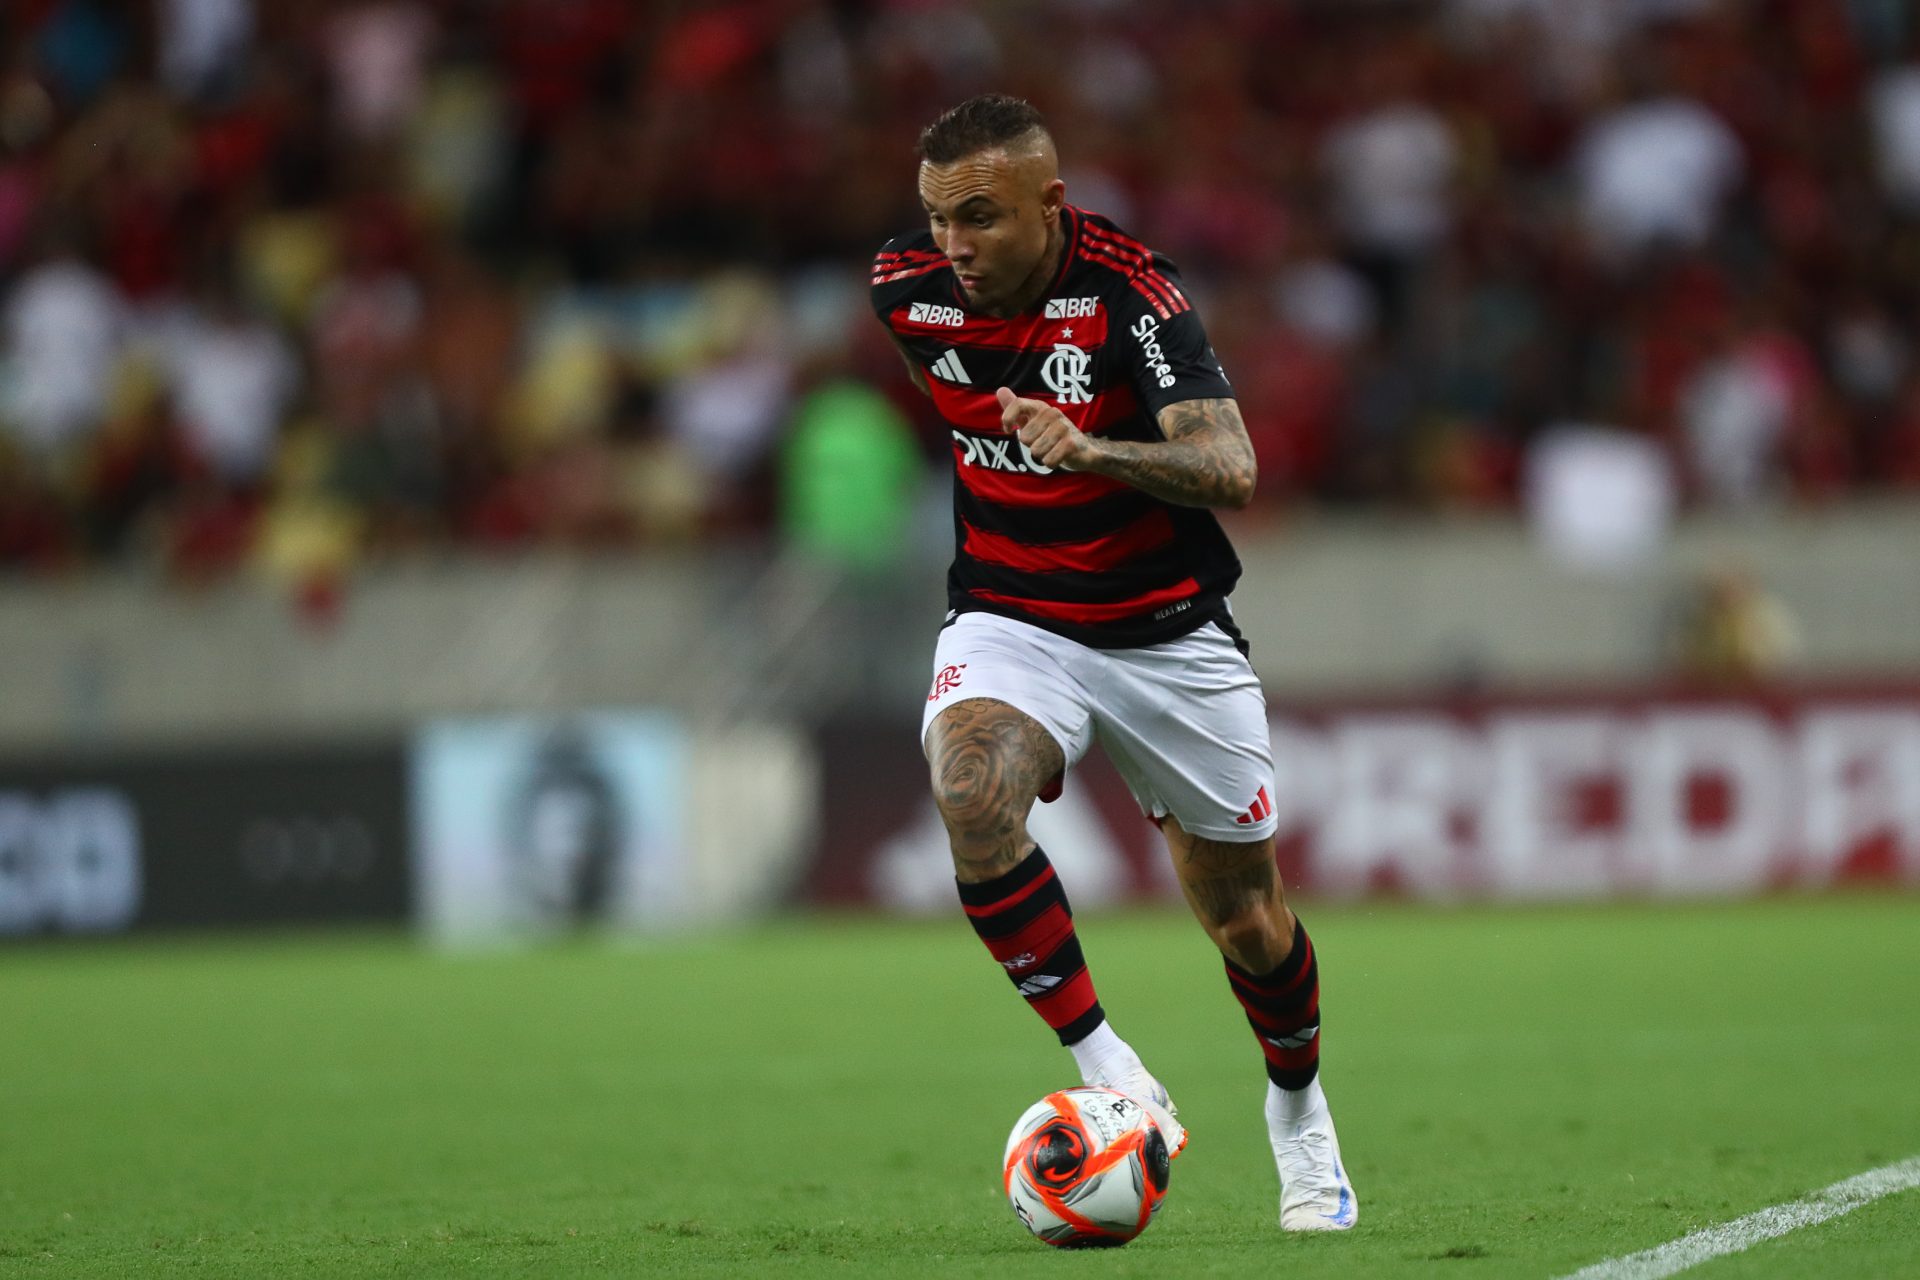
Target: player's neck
{"points": [[1035, 286]]}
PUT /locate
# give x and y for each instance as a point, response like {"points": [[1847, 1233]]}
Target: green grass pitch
{"points": [[1520, 1092]]}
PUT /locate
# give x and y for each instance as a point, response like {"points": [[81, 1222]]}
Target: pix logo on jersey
{"points": [[998, 455]]}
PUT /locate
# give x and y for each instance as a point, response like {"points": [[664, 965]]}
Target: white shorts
{"points": [[1184, 722]]}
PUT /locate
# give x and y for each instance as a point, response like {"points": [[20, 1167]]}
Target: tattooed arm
{"points": [[1206, 459]]}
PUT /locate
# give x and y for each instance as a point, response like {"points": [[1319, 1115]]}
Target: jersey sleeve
{"points": [[897, 270], [880, 291], [1163, 344]]}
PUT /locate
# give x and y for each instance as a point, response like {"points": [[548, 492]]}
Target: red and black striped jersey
{"points": [[1111, 343]]}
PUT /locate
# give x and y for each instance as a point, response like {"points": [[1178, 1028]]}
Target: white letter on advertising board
{"points": [[1739, 748], [1862, 776], [1400, 778], [1536, 845]]}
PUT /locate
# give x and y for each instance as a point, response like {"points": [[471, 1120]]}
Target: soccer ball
{"points": [[1086, 1168]]}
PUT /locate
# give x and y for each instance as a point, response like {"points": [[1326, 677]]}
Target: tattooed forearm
{"points": [[988, 761], [1206, 459]]}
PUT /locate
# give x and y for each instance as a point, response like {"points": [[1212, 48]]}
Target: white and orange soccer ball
{"points": [[1086, 1168]]}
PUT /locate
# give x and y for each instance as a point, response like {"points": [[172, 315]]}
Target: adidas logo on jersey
{"points": [[1071, 308], [949, 367], [931, 313]]}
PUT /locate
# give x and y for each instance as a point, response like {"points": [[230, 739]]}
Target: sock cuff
{"points": [[1287, 970], [1083, 1026], [985, 893]]}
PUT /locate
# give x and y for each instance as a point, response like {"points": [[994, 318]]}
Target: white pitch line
{"points": [[1743, 1233]]}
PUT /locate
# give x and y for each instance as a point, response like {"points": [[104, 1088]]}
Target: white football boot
{"points": [[1129, 1076], [1314, 1192]]}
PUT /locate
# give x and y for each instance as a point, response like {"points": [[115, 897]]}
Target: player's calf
{"points": [[1235, 892]]}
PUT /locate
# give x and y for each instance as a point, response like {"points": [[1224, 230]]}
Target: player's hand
{"points": [[1049, 434]]}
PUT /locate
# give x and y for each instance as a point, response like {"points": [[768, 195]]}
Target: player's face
{"points": [[991, 219]]}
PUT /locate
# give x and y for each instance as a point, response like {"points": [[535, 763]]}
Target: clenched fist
{"points": [[1049, 434]]}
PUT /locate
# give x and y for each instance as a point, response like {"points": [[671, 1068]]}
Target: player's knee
{"points": [[984, 758], [977, 801]]}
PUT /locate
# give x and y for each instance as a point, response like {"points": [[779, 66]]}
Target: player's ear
{"points": [[1052, 196]]}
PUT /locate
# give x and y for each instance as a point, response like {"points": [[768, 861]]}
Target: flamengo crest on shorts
{"points": [[946, 680], [1114, 342]]}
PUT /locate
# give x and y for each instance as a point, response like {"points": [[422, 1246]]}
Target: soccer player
{"points": [[1092, 431]]}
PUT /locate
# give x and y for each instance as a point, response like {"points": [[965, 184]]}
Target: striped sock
{"points": [[1024, 919], [1283, 1008]]}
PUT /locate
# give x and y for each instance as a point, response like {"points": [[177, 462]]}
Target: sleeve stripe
{"points": [[1128, 249], [1141, 271], [1157, 300], [1125, 251], [1122, 239], [887, 275]]}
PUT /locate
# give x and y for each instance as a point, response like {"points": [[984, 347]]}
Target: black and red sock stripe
{"points": [[1283, 1007], [1024, 919]]}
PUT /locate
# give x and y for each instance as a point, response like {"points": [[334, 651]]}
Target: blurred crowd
{"points": [[285, 285]]}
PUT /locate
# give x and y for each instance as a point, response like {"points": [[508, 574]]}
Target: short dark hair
{"points": [[990, 120]]}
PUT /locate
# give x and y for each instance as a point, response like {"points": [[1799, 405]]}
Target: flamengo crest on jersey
{"points": [[1066, 374], [1114, 341]]}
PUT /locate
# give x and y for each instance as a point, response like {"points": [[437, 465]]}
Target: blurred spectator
{"points": [[1895, 112], [850, 476], [1654, 171], [1738, 411], [26, 120], [1599, 498], [233, 378], [82, 44], [65, 326], [203, 45], [726, 409], [1391, 167], [376, 52], [567, 272], [1728, 630]]}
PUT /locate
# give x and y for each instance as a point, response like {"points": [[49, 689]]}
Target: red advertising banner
{"points": [[1579, 796]]}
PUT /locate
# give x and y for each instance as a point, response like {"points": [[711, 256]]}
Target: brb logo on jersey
{"points": [[1147, 329], [1071, 308], [928, 313], [1067, 373]]}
